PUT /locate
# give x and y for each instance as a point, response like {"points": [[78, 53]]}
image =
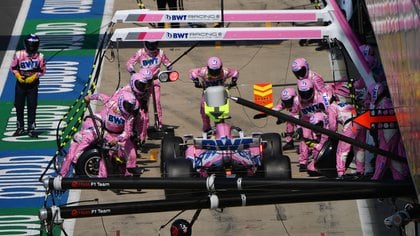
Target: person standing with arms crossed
{"points": [[27, 65]]}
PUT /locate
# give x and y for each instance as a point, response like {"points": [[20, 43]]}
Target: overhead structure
{"points": [[337, 28]]}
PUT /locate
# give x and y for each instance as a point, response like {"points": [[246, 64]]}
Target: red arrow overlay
{"points": [[366, 119]]}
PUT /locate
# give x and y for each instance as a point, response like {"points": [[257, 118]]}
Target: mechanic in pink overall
{"points": [[318, 140], [151, 57], [300, 68], [388, 139], [81, 140], [117, 115], [212, 75], [374, 63], [27, 66], [141, 85], [343, 113], [310, 102], [289, 101]]}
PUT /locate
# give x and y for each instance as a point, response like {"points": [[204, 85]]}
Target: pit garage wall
{"points": [[396, 24]]}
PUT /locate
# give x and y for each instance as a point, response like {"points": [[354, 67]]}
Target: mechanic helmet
{"points": [[287, 95], [31, 43], [319, 119], [151, 48], [369, 55], [305, 89], [127, 103], [141, 81], [300, 68], [180, 227], [214, 66]]}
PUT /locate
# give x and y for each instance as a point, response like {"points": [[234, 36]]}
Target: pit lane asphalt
{"points": [[269, 62]]}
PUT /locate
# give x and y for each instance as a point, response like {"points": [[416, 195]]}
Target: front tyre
{"points": [[88, 163]]}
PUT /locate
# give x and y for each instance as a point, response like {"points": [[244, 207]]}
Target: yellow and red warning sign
{"points": [[263, 94]]}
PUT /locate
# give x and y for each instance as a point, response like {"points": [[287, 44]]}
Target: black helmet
{"points": [[151, 45], [31, 43], [180, 227]]}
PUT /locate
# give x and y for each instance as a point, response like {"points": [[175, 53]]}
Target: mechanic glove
{"points": [[197, 83], [233, 82], [310, 143], [20, 78], [31, 78], [298, 134]]}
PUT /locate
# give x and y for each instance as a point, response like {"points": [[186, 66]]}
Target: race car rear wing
{"points": [[226, 144]]}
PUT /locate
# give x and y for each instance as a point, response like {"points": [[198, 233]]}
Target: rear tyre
{"points": [[272, 146], [88, 163], [170, 148]]}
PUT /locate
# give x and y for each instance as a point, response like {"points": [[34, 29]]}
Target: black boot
{"points": [[302, 168], [289, 145], [31, 131], [19, 132]]}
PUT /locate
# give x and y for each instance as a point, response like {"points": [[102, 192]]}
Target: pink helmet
{"points": [[141, 81], [127, 103], [300, 68], [287, 95], [305, 89], [214, 66], [369, 55], [319, 119]]}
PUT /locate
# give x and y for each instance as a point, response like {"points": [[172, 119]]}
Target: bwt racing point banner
{"points": [[69, 32]]}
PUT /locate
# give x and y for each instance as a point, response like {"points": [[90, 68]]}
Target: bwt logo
{"points": [[226, 144], [177, 35], [176, 17]]}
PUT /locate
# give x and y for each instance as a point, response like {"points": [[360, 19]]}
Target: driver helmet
{"points": [[151, 48], [287, 96], [141, 81], [181, 227], [305, 90], [31, 44], [300, 68], [214, 66], [127, 103]]}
